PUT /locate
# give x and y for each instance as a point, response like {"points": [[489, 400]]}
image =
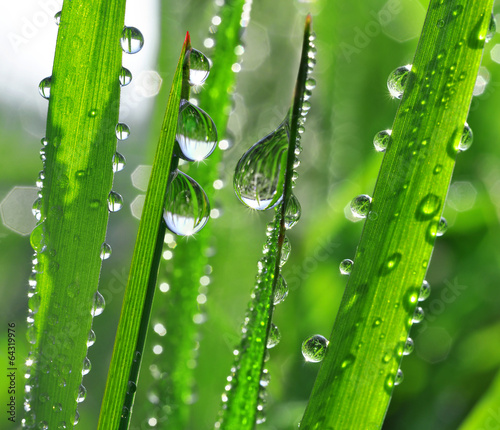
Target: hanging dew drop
{"points": [[37, 209], [409, 346], [57, 18], [98, 304], [345, 267], [81, 394], [132, 40], [115, 201], [292, 212], [87, 366], [360, 206], [310, 84], [122, 131], [260, 173], [396, 82], [418, 315], [285, 251], [199, 67], [441, 227], [381, 140], [466, 139], [196, 133], [187, 208], [399, 377], [44, 87], [314, 348], [425, 291], [274, 336], [105, 251], [125, 77], [281, 290], [118, 162], [492, 28]]}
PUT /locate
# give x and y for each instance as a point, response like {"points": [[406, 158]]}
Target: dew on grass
{"points": [[466, 139], [122, 131], [187, 208], [81, 394], [115, 201], [492, 28], [292, 212], [260, 173], [429, 206], [199, 67], [381, 140], [399, 377], [131, 40], [118, 162], [105, 251], [196, 132], [396, 82], [285, 251], [274, 336], [418, 315], [408, 347], [425, 291], [314, 348], [281, 290], [98, 305], [57, 18], [310, 84], [44, 87], [345, 266], [90, 338], [442, 226], [87, 366], [125, 77], [360, 206], [37, 209]]}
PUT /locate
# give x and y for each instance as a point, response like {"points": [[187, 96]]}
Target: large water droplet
{"points": [[186, 206], [281, 290], [115, 201], [132, 40], [314, 348], [97, 305], [260, 173], [125, 77], [492, 28], [397, 81], [292, 212], [44, 87], [381, 140], [199, 67], [466, 139], [196, 132], [118, 162], [345, 266], [360, 206], [274, 336]]}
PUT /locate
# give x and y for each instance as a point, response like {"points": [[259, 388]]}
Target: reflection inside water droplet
{"points": [[199, 67], [292, 212], [360, 205], [314, 348], [131, 40], [396, 82], [381, 140], [44, 87]]}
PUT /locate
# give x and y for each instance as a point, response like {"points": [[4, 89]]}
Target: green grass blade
{"points": [[355, 382], [130, 337], [245, 393], [83, 112]]}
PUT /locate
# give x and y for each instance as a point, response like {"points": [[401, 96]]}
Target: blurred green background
{"points": [[359, 43]]}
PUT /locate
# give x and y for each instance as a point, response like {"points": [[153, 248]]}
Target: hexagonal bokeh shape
{"points": [[137, 205], [462, 196], [495, 53], [434, 344], [15, 209], [148, 83], [140, 176], [400, 20]]}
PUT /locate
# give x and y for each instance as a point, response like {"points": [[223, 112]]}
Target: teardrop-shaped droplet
{"points": [[285, 251], [281, 290], [418, 315], [292, 212], [81, 394], [132, 40], [37, 238], [87, 365], [360, 206], [345, 266], [492, 28], [186, 206], [105, 251], [90, 338], [274, 336], [314, 348], [196, 133], [260, 174], [310, 84], [466, 139], [408, 347], [44, 87], [57, 18], [381, 140], [397, 81], [399, 377], [425, 291], [115, 201], [122, 131], [98, 304], [37, 209], [125, 77], [118, 162], [441, 227], [199, 67]]}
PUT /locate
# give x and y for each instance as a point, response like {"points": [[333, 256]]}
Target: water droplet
{"points": [[314, 348], [281, 290], [492, 28], [425, 291], [115, 201], [429, 206], [57, 18], [91, 338], [37, 209], [34, 303], [118, 162], [105, 251], [285, 251], [187, 208], [98, 304], [399, 377], [418, 315], [43, 425], [122, 131], [62, 425], [408, 348], [381, 140], [77, 418], [346, 266], [93, 113], [81, 394], [466, 139], [437, 169], [87, 365], [260, 172], [37, 238], [56, 407], [292, 212], [199, 67], [196, 132], [441, 227], [440, 23], [44, 87], [265, 378], [397, 81], [310, 84], [360, 206], [132, 40], [125, 77], [274, 336]]}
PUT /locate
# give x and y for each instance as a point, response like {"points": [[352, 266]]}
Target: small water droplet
{"points": [[281, 290], [122, 131], [187, 208], [77, 418], [360, 206], [196, 132], [56, 407], [429, 206], [132, 40], [90, 338], [57, 18], [409, 346], [399, 377], [265, 378], [441, 227], [118, 162], [397, 81], [425, 291], [44, 87], [437, 169], [37, 209], [87, 366], [62, 425], [105, 251], [37, 238], [310, 84], [93, 113], [292, 212], [346, 266], [418, 315], [125, 77], [274, 336], [440, 23], [381, 140], [81, 394], [260, 172], [43, 425], [199, 67], [285, 251], [115, 201], [314, 348], [98, 304], [466, 139], [492, 28]]}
